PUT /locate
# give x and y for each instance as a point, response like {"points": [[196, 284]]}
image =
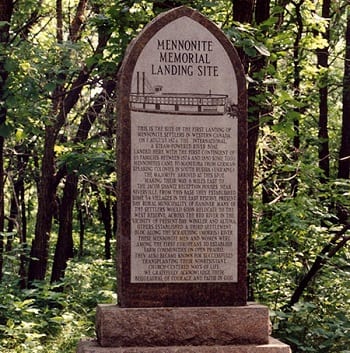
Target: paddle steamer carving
{"points": [[153, 100]]}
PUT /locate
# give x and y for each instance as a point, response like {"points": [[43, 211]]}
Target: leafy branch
{"points": [[337, 243]]}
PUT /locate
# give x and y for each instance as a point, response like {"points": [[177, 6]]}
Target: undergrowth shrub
{"points": [[52, 318], [286, 244]]}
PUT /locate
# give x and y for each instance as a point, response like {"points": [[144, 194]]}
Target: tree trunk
{"points": [[294, 183], [107, 221], [64, 245], [322, 60], [46, 209], [15, 222], [2, 208], [243, 12], [23, 240], [59, 21], [81, 229], [105, 210], [344, 154], [6, 10]]}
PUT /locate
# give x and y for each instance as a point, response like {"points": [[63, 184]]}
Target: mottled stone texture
{"points": [[123, 327], [177, 294], [274, 346]]}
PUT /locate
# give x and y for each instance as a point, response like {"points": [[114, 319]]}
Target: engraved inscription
{"points": [[184, 212], [183, 111]]}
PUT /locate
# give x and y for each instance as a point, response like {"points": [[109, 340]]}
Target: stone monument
{"points": [[182, 233]]}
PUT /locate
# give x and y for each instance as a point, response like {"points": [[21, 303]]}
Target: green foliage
{"points": [[308, 329], [52, 318], [292, 229], [246, 37], [291, 233], [97, 162]]}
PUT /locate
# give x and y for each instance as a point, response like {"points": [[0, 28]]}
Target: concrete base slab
{"points": [[274, 346], [182, 326]]}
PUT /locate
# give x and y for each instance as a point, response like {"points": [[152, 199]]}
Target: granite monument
{"points": [[182, 232]]}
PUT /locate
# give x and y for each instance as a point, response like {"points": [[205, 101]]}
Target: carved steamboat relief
{"points": [[152, 99]]}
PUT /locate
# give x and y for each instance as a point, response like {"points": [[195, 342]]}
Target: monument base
{"points": [[238, 329], [274, 346], [180, 326]]}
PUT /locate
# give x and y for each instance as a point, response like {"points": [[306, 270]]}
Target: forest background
{"points": [[58, 66]]}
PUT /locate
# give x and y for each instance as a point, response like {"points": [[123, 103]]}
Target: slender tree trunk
{"points": [[322, 60], [15, 220], [14, 209], [296, 87], [64, 245], [105, 209], [81, 229], [23, 240], [109, 217], [2, 208], [115, 215], [46, 209], [59, 21], [107, 221], [344, 154], [262, 13], [6, 10], [18, 220], [243, 12]]}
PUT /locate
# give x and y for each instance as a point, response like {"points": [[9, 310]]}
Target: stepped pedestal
{"points": [[243, 329]]}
